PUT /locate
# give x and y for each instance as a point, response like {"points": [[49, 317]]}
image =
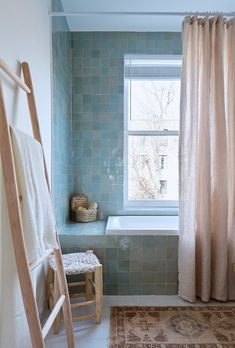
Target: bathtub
{"points": [[143, 225]]}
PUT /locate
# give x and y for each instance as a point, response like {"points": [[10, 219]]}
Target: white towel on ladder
{"points": [[36, 208]]}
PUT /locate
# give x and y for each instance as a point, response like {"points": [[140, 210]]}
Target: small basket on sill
{"points": [[79, 201], [86, 215], [84, 212]]}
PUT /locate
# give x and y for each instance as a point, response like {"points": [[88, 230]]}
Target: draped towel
{"points": [[36, 208]]}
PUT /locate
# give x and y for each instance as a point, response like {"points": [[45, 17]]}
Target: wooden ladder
{"points": [[37, 332]]}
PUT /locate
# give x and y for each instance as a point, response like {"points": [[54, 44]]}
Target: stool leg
{"points": [[57, 321], [50, 291], [98, 293], [89, 292]]}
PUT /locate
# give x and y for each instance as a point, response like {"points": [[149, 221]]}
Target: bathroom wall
{"points": [[97, 108], [24, 36], [62, 183]]}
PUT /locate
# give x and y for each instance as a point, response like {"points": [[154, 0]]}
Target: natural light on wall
{"points": [[151, 132]]}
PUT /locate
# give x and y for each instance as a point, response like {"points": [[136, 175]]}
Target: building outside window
{"points": [[162, 162], [152, 94], [163, 188]]}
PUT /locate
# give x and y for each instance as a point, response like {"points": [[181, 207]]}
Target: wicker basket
{"points": [[86, 215], [79, 201]]}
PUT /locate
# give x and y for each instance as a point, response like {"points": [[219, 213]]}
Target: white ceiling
{"points": [[137, 22]]}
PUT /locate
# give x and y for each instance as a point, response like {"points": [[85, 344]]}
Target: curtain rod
{"points": [[73, 14]]}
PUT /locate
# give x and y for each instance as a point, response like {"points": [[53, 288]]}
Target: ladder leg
{"points": [[57, 253], [66, 305], [13, 204]]}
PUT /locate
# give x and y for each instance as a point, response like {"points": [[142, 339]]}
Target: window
{"points": [[151, 132]]}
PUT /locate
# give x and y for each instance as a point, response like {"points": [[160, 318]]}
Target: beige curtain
{"points": [[207, 160]]}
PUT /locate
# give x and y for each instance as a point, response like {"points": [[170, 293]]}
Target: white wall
{"points": [[24, 36]]}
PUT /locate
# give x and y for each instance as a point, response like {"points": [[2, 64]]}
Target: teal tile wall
{"points": [[62, 180], [133, 265], [97, 108]]}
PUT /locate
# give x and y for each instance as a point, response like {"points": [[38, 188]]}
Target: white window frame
{"points": [[162, 206]]}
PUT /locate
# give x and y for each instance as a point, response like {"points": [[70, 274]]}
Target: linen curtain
{"points": [[207, 160]]}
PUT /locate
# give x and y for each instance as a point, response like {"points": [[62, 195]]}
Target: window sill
{"points": [[96, 228], [174, 211]]}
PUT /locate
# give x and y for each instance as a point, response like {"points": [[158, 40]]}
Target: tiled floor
{"points": [[90, 335]]}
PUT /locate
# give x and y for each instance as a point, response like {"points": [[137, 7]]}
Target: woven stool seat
{"points": [[89, 289], [77, 263]]}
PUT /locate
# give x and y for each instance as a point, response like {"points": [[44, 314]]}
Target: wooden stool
{"points": [[78, 263]]}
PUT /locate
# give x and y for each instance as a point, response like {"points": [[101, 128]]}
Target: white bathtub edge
{"points": [[165, 229]]}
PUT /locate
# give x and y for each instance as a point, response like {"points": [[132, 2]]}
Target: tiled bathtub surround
{"points": [[97, 108], [62, 132], [132, 265]]}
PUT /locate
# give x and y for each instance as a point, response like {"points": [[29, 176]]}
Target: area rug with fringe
{"points": [[172, 327]]}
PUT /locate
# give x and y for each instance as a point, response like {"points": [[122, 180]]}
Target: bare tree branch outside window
{"points": [[152, 107]]}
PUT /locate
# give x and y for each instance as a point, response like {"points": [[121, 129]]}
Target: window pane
{"points": [[153, 168], [154, 104]]}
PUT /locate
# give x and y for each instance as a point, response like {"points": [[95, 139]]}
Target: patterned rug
{"points": [[172, 327]]}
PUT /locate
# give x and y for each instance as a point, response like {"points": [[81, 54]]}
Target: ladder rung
{"points": [[80, 294], [85, 317], [76, 284], [83, 304], [41, 259], [52, 316]]}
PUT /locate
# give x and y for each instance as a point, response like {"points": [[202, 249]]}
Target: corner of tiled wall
{"points": [[62, 177]]}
